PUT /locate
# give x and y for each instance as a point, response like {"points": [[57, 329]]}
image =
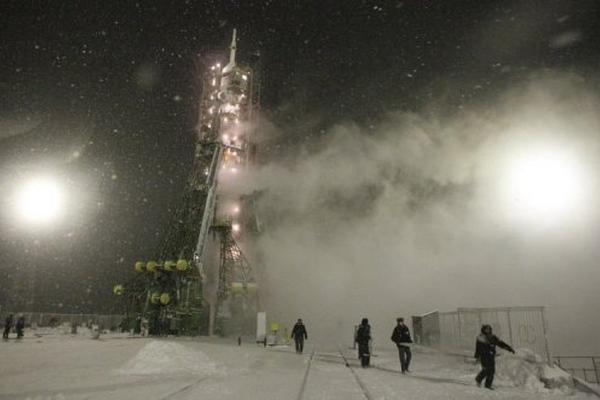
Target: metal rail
{"points": [[183, 388], [305, 379], [360, 383], [586, 367]]}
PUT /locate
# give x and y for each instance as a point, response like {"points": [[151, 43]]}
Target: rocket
{"points": [[232, 49]]}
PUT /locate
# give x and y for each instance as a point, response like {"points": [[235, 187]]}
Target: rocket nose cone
{"points": [[234, 38]]}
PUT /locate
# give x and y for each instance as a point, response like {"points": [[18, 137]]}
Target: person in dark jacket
{"points": [[485, 352], [8, 322], [401, 336], [20, 326], [137, 328], [363, 338], [299, 335]]}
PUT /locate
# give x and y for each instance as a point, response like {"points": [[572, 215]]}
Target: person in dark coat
{"points": [[8, 322], [137, 328], [485, 352], [20, 326], [299, 335], [401, 336], [363, 338]]}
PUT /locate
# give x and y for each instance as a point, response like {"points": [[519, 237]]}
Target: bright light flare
{"points": [[235, 227], [39, 201], [546, 183]]}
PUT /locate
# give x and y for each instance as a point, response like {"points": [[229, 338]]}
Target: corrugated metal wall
{"points": [[521, 327]]}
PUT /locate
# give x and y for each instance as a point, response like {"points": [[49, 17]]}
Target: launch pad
{"points": [[199, 281]]}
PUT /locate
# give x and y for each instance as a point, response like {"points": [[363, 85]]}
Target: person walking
{"points": [[401, 336], [485, 352], [299, 335], [8, 322], [363, 338], [20, 326]]}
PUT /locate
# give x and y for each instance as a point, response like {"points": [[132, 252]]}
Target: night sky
{"points": [[106, 95]]}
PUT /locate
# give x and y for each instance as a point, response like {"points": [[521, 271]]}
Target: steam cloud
{"points": [[408, 218]]}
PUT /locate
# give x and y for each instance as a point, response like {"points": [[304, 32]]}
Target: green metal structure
{"points": [[168, 294]]}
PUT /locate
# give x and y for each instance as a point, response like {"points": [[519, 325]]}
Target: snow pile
{"points": [[168, 358], [556, 378], [529, 370]]}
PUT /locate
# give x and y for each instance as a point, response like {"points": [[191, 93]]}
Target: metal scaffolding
{"points": [[172, 297]]}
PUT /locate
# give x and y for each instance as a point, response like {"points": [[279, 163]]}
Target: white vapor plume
{"points": [[412, 217]]}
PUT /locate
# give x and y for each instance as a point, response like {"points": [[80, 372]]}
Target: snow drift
{"points": [[529, 370], [168, 358]]}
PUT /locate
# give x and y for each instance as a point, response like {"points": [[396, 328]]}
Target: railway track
{"points": [[315, 356], [306, 372], [339, 359], [183, 388], [357, 379], [335, 359]]}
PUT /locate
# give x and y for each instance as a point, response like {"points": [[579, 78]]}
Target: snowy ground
{"points": [[58, 366]]}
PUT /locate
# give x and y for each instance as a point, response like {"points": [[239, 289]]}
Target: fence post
{"points": [[596, 370], [460, 339], [510, 335], [545, 328]]}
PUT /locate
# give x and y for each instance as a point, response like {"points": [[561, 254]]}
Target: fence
{"points": [[107, 321], [521, 327], [584, 367]]}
